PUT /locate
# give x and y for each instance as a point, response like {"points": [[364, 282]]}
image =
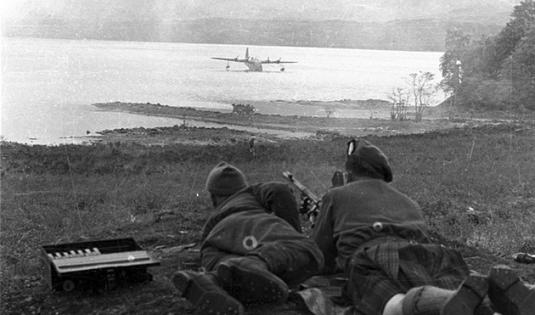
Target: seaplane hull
{"points": [[253, 64]]}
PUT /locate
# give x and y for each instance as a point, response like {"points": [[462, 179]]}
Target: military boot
{"points": [[509, 295], [431, 300], [249, 280], [469, 297], [207, 297]]}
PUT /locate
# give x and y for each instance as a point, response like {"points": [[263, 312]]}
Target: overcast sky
{"points": [[362, 10]]}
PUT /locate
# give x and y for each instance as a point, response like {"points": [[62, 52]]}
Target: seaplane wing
{"points": [[277, 61], [254, 64], [231, 59]]}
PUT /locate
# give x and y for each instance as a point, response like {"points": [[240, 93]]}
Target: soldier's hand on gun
{"points": [[337, 179], [306, 204]]}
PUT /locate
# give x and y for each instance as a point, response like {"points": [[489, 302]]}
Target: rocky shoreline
{"points": [[229, 125]]}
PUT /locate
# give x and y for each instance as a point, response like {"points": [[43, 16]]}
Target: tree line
{"points": [[493, 72]]}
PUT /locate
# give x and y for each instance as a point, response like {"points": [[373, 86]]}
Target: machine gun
{"points": [[311, 210]]}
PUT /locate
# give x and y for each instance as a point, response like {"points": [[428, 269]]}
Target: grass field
{"points": [[476, 187]]}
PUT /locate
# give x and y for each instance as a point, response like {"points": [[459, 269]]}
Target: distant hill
{"points": [[98, 11], [424, 34], [381, 24]]}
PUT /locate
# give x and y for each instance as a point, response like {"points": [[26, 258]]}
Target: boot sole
{"points": [[206, 302], [468, 297], [181, 282], [251, 285], [505, 283], [218, 303]]}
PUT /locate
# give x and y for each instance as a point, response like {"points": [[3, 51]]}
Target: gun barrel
{"points": [[301, 187], [313, 210]]}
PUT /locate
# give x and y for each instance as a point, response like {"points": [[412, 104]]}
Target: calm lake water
{"points": [[48, 85]]}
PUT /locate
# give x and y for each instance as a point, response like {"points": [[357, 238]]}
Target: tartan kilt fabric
{"points": [[378, 272]]}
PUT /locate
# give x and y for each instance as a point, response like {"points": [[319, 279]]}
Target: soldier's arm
{"points": [[323, 232], [278, 198]]}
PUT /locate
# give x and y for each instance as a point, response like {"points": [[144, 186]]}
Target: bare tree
{"points": [[422, 89], [400, 100]]}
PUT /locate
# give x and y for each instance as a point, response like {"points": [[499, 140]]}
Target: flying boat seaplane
{"points": [[254, 64]]}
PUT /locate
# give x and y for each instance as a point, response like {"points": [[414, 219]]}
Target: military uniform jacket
{"points": [[242, 225], [359, 212]]}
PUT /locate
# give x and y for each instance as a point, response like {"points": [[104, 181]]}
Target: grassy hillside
{"points": [[475, 186]]}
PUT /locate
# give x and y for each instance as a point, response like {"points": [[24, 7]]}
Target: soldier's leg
{"points": [[249, 279], [375, 291], [203, 291], [293, 260], [262, 276], [371, 288], [441, 282], [448, 268], [431, 300], [509, 294], [212, 256], [245, 277]]}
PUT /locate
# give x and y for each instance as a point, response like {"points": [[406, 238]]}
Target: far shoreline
{"points": [[224, 127], [22, 37], [273, 120]]}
